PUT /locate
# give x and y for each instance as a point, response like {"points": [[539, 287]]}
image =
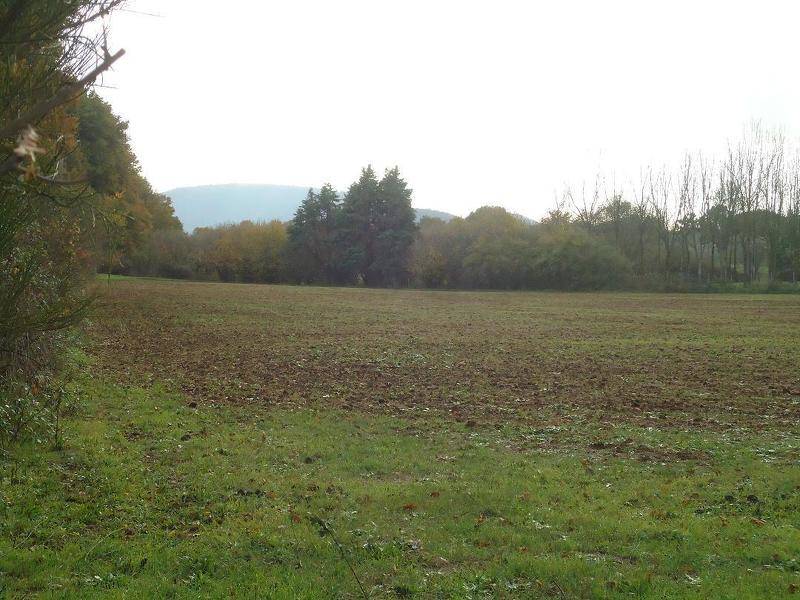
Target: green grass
{"points": [[153, 498], [158, 493]]}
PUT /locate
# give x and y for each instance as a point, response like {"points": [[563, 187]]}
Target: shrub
{"points": [[568, 258]]}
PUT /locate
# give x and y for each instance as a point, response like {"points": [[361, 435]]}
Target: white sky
{"points": [[496, 102]]}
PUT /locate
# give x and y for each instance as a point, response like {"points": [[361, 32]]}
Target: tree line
{"points": [[705, 222], [364, 237], [702, 225]]}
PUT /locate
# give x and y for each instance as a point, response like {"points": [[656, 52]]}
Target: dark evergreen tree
{"points": [[312, 249], [396, 230], [377, 228], [301, 245], [358, 228], [329, 208]]}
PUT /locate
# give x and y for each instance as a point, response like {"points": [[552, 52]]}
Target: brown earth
{"points": [[681, 361]]}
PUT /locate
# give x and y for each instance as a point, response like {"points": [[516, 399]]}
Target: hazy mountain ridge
{"points": [[430, 213], [208, 205]]}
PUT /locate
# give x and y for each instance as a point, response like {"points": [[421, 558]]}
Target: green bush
{"points": [[568, 258]]}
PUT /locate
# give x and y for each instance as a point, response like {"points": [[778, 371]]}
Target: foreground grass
{"points": [[154, 496]]}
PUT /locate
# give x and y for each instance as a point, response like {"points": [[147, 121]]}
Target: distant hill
{"points": [[528, 220], [208, 205], [429, 213]]}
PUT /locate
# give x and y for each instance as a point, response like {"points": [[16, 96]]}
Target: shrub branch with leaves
{"points": [[48, 58]]}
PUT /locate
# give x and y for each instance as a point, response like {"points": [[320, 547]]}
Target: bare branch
{"points": [[64, 95]]}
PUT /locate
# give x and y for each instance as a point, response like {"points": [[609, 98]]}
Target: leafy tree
{"points": [[130, 210], [428, 259], [499, 249], [568, 258], [47, 60], [248, 252], [165, 253]]}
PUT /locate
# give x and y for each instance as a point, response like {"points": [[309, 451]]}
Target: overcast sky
{"points": [[493, 102]]}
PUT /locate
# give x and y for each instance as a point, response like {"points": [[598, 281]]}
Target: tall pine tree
{"points": [[358, 228], [377, 227], [396, 230], [312, 249]]}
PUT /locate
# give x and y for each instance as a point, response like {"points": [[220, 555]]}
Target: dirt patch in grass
{"points": [[644, 453]]}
